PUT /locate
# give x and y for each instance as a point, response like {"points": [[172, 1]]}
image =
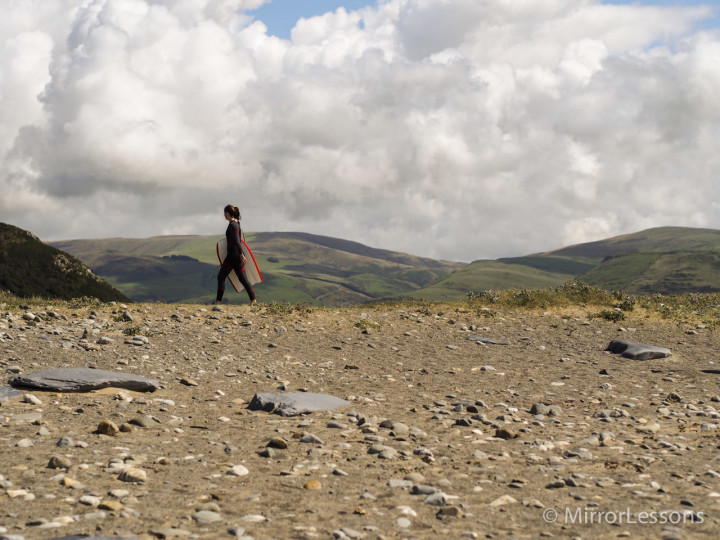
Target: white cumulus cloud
{"points": [[458, 130]]}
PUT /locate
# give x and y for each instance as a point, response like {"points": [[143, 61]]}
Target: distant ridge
{"points": [[297, 267], [349, 246], [30, 268], [657, 239], [664, 260], [321, 270]]}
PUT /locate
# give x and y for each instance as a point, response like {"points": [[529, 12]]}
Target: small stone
{"points": [[504, 433], [59, 462], [90, 500], [111, 505], [267, 452], [556, 484], [32, 399], [311, 439], [436, 499], [238, 470], [65, 442], [423, 490], [278, 443], [649, 428], [502, 501], [206, 516], [108, 427], [133, 475], [143, 421], [450, 511], [312, 485]]}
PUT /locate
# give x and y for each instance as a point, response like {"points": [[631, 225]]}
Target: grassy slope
{"points": [[483, 275], [659, 239], [306, 268], [666, 260], [30, 268], [296, 267], [665, 273], [634, 264]]}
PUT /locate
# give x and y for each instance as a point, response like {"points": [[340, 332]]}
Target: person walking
{"points": [[234, 260]]}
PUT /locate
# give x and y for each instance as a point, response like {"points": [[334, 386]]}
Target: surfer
{"points": [[235, 260]]}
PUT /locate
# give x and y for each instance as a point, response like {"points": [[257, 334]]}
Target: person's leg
{"points": [[240, 271], [222, 276]]}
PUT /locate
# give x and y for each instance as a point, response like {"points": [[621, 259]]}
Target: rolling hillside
{"points": [[300, 267], [30, 268], [658, 240], [665, 260], [296, 267], [664, 273], [484, 275]]}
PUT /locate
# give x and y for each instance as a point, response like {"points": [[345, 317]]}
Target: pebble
{"points": [[108, 427], [238, 470], [133, 475], [311, 439], [206, 516], [32, 399], [502, 501], [59, 462]]}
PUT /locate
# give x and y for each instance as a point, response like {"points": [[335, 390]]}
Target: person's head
{"points": [[232, 211]]}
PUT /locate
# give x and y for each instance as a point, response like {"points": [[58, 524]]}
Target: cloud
{"points": [[458, 130]]}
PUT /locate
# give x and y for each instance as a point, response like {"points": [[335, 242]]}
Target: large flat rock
{"points": [[638, 351], [93, 537], [295, 403], [83, 380], [6, 392]]}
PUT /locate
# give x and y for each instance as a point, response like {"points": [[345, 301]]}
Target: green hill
{"points": [[666, 260], [658, 240], [30, 268], [300, 267], [296, 267], [484, 275], [664, 273]]}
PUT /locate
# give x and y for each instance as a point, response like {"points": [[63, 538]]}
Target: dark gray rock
{"points": [[93, 537], [488, 341], [637, 351], [6, 392], [295, 403], [545, 410], [83, 380]]}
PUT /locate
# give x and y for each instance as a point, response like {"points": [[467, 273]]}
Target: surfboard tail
{"points": [[254, 263]]}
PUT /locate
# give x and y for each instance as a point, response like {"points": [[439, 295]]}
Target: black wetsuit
{"points": [[233, 261]]}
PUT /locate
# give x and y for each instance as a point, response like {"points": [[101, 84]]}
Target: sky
{"points": [[460, 130]]}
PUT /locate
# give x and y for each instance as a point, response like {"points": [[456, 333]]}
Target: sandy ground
{"points": [[438, 438]]}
